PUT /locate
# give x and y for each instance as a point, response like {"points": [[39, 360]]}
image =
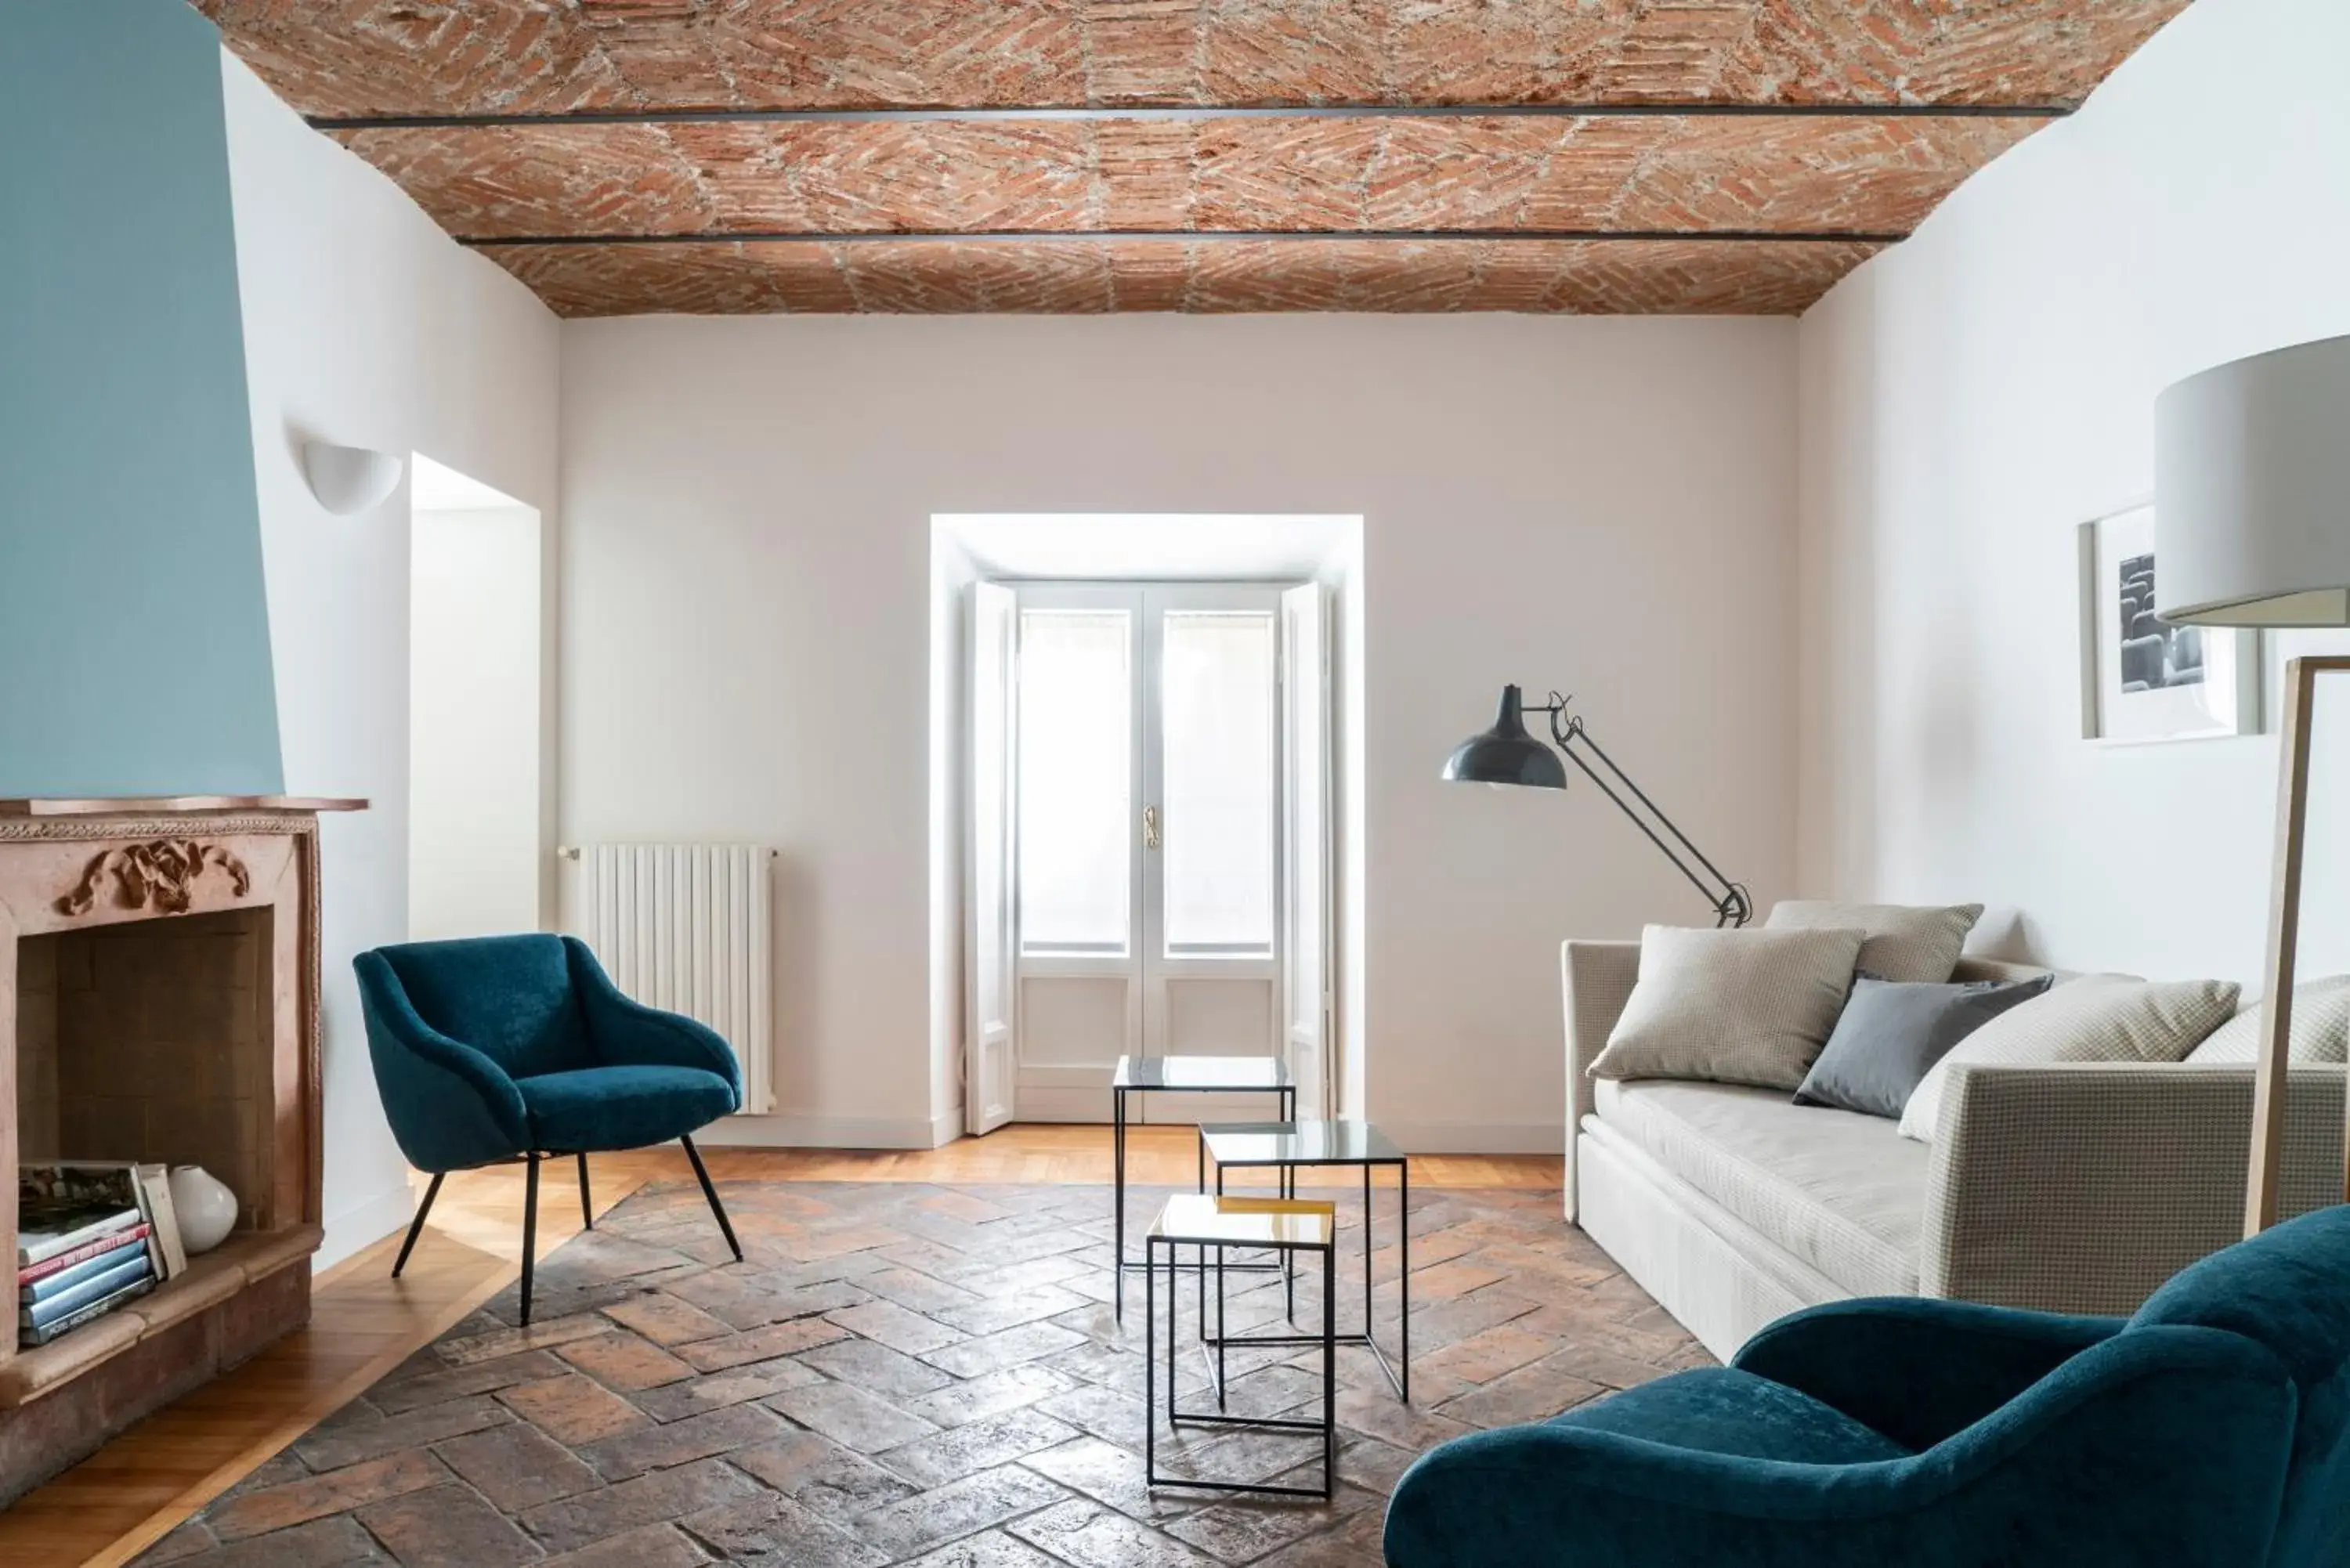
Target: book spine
{"points": [[88, 1268], [72, 1320], [91, 1290], [42, 1251], [80, 1254]]}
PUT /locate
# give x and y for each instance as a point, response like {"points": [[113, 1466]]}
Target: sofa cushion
{"points": [[1891, 1033], [1843, 1192], [2321, 1027], [1914, 944], [598, 1108], [1730, 1007], [2097, 1018]]}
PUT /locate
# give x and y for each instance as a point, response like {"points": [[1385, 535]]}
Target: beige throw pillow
{"points": [[1914, 944], [2097, 1018], [2321, 1027], [1730, 1007]]}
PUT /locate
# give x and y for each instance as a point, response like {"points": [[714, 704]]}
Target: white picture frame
{"points": [[2144, 681]]}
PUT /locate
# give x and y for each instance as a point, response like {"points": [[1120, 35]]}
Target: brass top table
{"points": [[1284, 1225]]}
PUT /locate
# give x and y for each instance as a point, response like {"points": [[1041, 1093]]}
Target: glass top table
{"points": [[1299, 1143], [1201, 1074], [1288, 1145], [1147, 1076]]}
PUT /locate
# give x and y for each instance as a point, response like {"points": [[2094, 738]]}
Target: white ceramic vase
{"points": [[205, 1207]]}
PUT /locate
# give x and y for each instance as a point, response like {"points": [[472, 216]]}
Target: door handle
{"points": [[1150, 828]]}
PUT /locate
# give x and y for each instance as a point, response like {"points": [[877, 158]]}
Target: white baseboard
{"points": [[798, 1129], [363, 1225], [1476, 1138]]}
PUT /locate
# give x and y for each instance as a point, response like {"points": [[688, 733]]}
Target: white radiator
{"points": [[683, 926]]}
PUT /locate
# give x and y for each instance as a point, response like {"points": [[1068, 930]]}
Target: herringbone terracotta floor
{"points": [[908, 1374]]}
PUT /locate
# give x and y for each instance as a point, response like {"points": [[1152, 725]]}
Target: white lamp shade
{"points": [[2251, 500], [347, 479]]}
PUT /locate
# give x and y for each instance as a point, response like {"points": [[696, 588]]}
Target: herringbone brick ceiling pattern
{"points": [[1594, 156]]}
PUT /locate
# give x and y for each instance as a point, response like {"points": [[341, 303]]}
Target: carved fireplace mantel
{"points": [[159, 1002]]}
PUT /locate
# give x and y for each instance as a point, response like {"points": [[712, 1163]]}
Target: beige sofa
{"points": [[2069, 1188]]}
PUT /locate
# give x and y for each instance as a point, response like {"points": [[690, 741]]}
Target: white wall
{"points": [[364, 325], [1605, 505], [1970, 397], [475, 858]]}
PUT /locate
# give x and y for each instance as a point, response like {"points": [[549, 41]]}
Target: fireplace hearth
{"points": [[159, 1002]]}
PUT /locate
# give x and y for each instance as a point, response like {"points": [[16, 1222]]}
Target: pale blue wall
{"points": [[134, 633]]}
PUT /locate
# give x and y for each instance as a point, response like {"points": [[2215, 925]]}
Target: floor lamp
{"points": [[2252, 528], [1507, 755]]}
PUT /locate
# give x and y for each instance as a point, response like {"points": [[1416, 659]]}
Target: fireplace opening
{"points": [[154, 1041]]}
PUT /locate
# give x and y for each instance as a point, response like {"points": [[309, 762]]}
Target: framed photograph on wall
{"points": [[2142, 678]]}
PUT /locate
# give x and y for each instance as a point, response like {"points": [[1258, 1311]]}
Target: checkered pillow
{"points": [[1730, 1007], [2097, 1018], [2321, 1027], [1910, 944]]}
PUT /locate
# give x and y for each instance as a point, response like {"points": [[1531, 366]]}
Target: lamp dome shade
{"points": [[347, 479], [1506, 754], [2251, 507]]}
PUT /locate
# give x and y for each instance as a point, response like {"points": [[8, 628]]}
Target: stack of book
{"points": [[90, 1237]]}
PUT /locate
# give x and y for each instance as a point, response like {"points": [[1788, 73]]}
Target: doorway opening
{"points": [[1152, 802], [474, 687]]}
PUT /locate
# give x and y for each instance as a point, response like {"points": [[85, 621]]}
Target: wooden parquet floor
{"points": [[364, 1326], [919, 1374]]}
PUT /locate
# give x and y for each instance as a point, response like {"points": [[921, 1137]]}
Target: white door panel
{"points": [[991, 944], [1150, 744], [1306, 947]]}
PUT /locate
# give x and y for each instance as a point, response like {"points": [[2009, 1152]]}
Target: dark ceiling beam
{"points": [[1192, 236], [1201, 112]]}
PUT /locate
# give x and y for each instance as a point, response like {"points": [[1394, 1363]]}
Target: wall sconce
{"points": [[347, 479]]}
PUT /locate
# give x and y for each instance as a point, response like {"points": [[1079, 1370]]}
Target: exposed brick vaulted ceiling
{"points": [[547, 132]]}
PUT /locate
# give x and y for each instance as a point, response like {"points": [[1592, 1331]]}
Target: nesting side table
{"points": [[1284, 1225], [1182, 1075], [1288, 1145]]}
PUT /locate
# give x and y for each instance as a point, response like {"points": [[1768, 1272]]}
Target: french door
{"points": [[1154, 755]]}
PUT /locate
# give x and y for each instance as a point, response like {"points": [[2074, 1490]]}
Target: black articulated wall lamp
{"points": [[1507, 755]]}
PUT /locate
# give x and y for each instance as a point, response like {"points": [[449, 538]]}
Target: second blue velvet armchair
{"points": [[493, 1050], [2210, 1430]]}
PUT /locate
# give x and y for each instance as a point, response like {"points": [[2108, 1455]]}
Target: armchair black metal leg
{"points": [[416, 1226], [710, 1192], [586, 1209], [529, 1231]]}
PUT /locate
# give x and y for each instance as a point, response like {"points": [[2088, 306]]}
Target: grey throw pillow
{"points": [[1730, 1006], [1891, 1032]]}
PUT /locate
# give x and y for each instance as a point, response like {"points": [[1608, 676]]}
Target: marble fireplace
{"points": [[159, 1002]]}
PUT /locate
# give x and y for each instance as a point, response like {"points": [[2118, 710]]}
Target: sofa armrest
{"points": [[1597, 978], [2083, 1187], [1918, 1371]]}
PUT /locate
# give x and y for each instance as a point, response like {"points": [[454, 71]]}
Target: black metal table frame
{"points": [[1288, 1168], [1287, 1094], [1328, 1426]]}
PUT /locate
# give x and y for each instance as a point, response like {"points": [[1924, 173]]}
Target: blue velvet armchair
{"points": [[2207, 1431], [493, 1050]]}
